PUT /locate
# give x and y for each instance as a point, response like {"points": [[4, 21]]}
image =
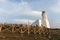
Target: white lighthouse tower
{"points": [[45, 21]]}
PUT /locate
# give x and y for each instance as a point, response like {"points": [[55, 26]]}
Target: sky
{"points": [[16, 11]]}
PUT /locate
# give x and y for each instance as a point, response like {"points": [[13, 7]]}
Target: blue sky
{"points": [[12, 11]]}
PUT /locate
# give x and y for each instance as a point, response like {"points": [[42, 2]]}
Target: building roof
{"points": [[37, 22]]}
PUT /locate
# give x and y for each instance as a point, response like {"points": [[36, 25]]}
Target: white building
{"points": [[44, 22], [37, 23]]}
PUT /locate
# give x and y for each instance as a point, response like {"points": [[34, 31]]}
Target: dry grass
{"points": [[13, 32]]}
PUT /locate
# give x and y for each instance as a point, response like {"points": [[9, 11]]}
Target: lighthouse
{"points": [[45, 21]]}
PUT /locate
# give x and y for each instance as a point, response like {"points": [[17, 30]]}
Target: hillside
{"points": [[27, 32]]}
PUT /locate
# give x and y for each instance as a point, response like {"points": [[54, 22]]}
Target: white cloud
{"points": [[56, 7], [36, 13], [2, 0], [23, 21], [19, 9], [8, 9]]}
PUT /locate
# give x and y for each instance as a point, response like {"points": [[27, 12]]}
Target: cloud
{"points": [[2, 0], [55, 7], [9, 10], [36, 13], [24, 21]]}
